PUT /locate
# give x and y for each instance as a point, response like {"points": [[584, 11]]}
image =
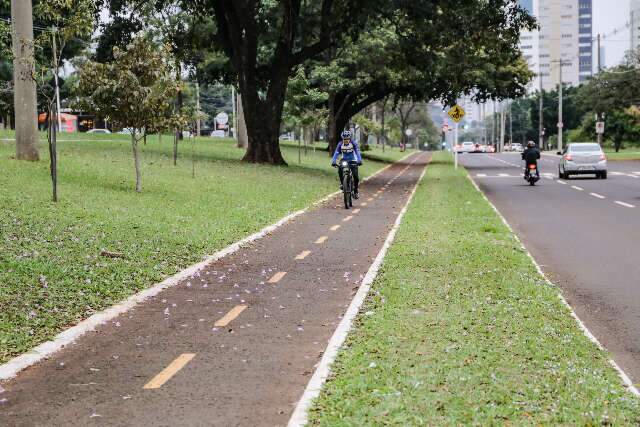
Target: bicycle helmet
{"points": [[531, 144], [346, 134]]}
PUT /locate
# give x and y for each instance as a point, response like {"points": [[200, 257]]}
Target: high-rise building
{"points": [[634, 21], [565, 35]]}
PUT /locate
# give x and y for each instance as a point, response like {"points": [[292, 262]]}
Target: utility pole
{"points": [[494, 128], [560, 124], [540, 118], [599, 64], [24, 94], [198, 108], [510, 122], [502, 126]]}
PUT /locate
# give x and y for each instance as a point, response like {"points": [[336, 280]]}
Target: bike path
{"points": [[233, 345]]}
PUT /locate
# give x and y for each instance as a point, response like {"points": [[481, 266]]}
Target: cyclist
{"points": [[351, 153]]}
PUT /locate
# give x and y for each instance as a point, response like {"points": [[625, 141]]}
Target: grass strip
{"points": [[460, 329], [55, 267]]}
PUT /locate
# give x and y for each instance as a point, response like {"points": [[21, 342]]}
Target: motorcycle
{"points": [[532, 175]]}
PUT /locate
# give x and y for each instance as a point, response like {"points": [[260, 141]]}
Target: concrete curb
{"points": [[312, 391], [623, 375], [11, 368]]}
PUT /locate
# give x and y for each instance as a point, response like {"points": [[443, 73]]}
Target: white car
{"points": [[99, 131], [466, 147], [218, 134], [583, 159], [517, 147]]}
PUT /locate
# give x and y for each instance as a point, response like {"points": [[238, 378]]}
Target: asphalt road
{"points": [[234, 345], [585, 233]]}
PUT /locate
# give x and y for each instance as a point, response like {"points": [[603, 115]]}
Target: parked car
{"points": [[517, 147], [100, 131], [583, 158], [218, 134]]}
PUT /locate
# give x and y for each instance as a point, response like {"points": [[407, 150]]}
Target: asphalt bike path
{"points": [[233, 345], [584, 232]]}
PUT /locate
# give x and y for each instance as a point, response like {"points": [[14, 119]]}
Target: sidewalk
{"points": [[233, 345]]}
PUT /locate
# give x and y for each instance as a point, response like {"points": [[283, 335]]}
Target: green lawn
{"points": [[460, 329], [632, 153], [51, 272]]}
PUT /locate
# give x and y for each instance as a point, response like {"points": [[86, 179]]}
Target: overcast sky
{"points": [[609, 15]]}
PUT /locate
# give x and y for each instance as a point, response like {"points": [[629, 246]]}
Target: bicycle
{"points": [[347, 183]]}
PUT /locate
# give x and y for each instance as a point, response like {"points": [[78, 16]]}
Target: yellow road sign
{"points": [[456, 113]]}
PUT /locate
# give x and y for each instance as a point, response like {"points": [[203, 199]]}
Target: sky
{"points": [[609, 15]]}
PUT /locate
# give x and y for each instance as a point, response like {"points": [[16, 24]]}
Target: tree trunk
{"points": [[243, 138], [53, 156], [24, 93], [338, 120], [175, 148], [136, 159], [263, 119], [617, 143]]}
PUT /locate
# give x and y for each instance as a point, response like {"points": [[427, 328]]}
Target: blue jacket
{"points": [[350, 152]]}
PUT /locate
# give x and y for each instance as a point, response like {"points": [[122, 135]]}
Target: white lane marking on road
{"points": [[626, 205], [300, 414], [617, 173], [349, 218], [503, 174], [638, 173], [168, 372], [561, 182], [481, 175], [622, 374], [335, 227], [355, 211], [575, 187], [599, 196]]}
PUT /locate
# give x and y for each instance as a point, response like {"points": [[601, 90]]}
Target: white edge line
{"points": [[43, 351], [626, 205], [300, 414], [622, 374]]}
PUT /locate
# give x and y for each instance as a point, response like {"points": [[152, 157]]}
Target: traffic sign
{"points": [[222, 118], [600, 127], [456, 113], [560, 125]]}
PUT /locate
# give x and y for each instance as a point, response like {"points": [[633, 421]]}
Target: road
{"points": [[235, 344], [585, 233]]}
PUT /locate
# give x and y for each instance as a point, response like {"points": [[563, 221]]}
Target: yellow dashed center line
{"points": [[303, 254], [355, 211], [321, 240], [277, 277], [370, 199], [349, 218], [169, 371], [335, 227], [230, 316], [364, 204]]}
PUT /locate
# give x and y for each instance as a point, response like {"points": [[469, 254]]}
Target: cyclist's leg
{"points": [[340, 176], [356, 179]]}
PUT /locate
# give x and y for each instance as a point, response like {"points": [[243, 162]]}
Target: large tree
{"points": [[432, 50], [257, 45]]}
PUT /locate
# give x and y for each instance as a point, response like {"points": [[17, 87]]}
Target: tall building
{"points": [[565, 35], [634, 20]]}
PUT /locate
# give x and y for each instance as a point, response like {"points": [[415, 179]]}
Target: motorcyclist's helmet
{"points": [[531, 144], [346, 135]]}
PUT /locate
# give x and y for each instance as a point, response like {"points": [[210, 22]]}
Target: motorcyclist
{"points": [[530, 155], [350, 152]]}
